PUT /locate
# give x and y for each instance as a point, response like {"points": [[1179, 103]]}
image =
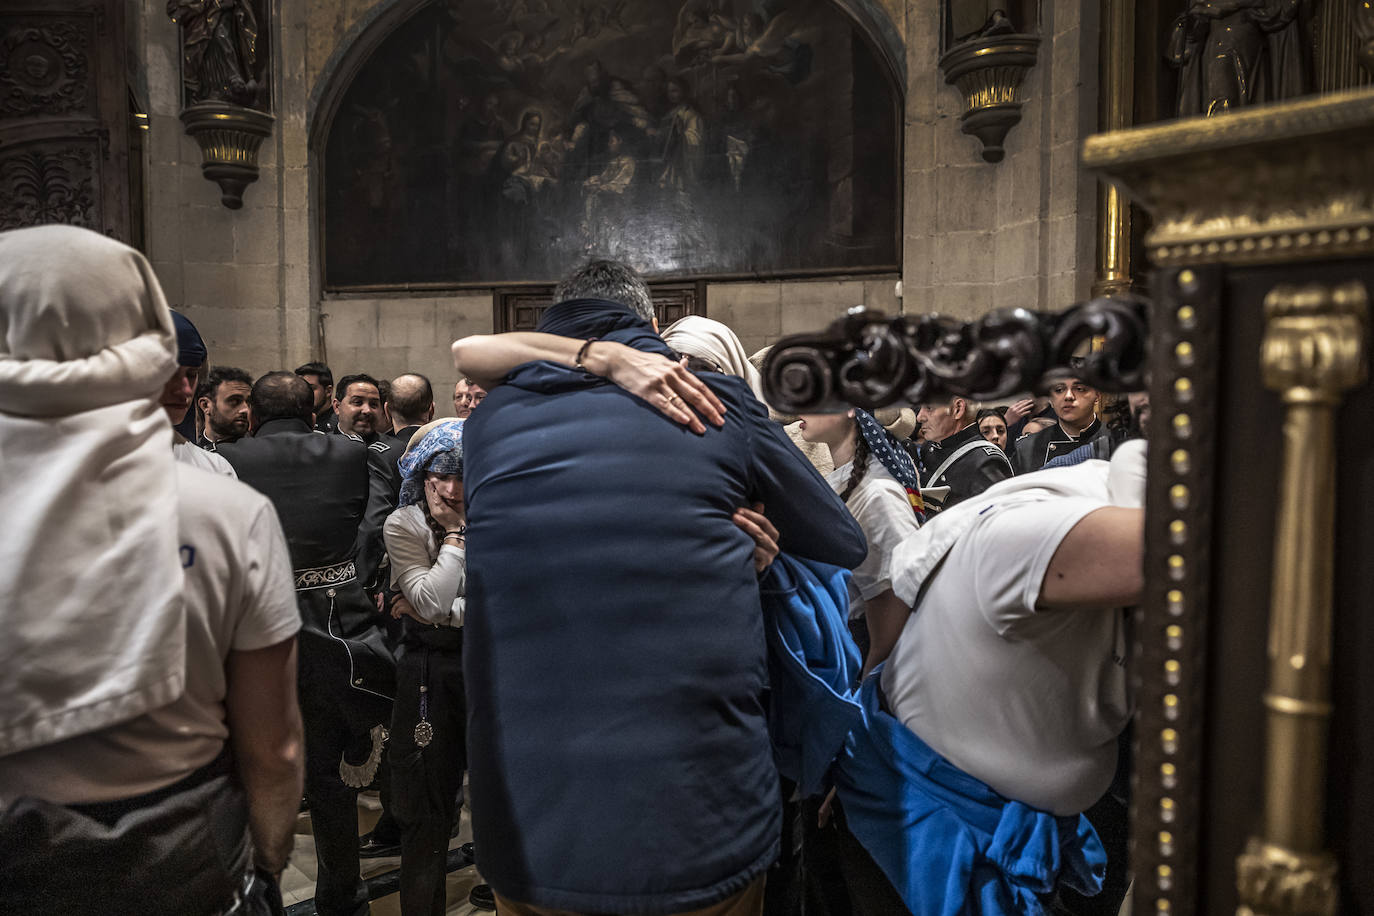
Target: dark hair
{"points": [[281, 396], [409, 400], [859, 470], [341, 389], [321, 371], [218, 376], [998, 412]]}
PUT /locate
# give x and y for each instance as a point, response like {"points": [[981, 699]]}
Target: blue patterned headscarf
{"points": [[889, 452], [440, 451]]}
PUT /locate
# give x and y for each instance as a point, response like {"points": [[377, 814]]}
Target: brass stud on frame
{"points": [[1175, 601], [1178, 496]]}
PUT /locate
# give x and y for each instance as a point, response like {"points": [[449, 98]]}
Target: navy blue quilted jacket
{"points": [[614, 650]]}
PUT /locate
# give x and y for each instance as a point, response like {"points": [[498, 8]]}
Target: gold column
{"points": [[1116, 70], [1313, 351]]}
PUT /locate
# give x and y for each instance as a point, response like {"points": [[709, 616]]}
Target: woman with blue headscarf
{"points": [[426, 540]]}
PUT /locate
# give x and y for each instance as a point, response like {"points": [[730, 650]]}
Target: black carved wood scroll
{"points": [[867, 359]]}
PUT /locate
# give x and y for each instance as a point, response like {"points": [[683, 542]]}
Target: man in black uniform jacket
{"points": [[329, 492], [1075, 409], [955, 454]]}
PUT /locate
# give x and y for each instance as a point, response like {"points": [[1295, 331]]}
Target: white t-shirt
{"points": [[433, 579], [240, 595], [1030, 702], [881, 507], [197, 457]]}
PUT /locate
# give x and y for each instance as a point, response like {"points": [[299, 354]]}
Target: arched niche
{"points": [[480, 142]]}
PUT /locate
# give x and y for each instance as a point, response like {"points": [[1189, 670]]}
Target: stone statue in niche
{"points": [[220, 53], [1233, 53]]}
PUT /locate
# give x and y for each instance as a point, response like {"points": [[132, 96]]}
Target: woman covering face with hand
{"points": [[426, 540]]}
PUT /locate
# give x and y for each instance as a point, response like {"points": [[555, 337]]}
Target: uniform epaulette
{"points": [[380, 446]]}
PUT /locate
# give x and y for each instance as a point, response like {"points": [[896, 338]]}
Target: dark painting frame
{"points": [[392, 186]]}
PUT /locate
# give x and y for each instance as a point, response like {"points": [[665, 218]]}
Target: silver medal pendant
{"points": [[424, 733]]}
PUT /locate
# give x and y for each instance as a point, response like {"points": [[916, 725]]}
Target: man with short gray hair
{"points": [[633, 656], [610, 280], [955, 454]]}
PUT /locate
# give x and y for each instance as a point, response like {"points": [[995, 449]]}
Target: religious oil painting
{"points": [[498, 141]]}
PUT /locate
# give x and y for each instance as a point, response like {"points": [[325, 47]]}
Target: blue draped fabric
{"points": [[948, 843], [811, 660]]}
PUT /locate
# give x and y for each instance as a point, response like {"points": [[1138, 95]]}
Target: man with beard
{"points": [[223, 401], [179, 393], [321, 382], [358, 404]]}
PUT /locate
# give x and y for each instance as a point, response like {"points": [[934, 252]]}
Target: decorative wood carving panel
{"points": [[43, 67], [52, 182], [63, 116]]}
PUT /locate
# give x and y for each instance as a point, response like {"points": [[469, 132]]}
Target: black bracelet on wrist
{"points": [[461, 532], [582, 354]]}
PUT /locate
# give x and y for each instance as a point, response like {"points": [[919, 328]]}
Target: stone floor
{"points": [[298, 881]]}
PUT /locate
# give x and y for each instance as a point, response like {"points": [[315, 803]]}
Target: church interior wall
{"points": [[975, 235]]}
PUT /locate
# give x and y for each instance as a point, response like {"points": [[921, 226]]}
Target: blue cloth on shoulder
{"points": [[948, 843], [812, 660]]}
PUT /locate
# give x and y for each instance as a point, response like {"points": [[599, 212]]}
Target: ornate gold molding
{"points": [[228, 136], [1312, 352], [1116, 100], [1270, 183], [988, 70]]}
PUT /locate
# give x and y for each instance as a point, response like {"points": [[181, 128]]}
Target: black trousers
{"points": [[333, 720], [425, 780]]}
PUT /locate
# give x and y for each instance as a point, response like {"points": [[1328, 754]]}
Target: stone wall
{"points": [[975, 235], [1020, 232]]}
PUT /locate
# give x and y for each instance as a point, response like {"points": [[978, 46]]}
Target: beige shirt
{"points": [[432, 578], [881, 507], [239, 595]]}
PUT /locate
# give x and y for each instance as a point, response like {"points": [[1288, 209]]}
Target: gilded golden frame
{"points": [[1284, 184]]}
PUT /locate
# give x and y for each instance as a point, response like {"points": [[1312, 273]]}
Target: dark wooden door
{"points": [[64, 146], [520, 309]]}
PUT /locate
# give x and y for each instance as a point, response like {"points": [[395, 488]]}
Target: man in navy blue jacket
{"points": [[613, 649]]}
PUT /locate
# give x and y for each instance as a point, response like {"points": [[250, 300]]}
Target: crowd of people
{"points": [[693, 656]]}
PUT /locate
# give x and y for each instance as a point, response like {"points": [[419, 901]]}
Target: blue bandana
{"points": [[190, 346], [889, 452], [440, 451]]}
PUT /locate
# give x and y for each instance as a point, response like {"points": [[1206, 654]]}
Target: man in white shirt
{"points": [[180, 790], [1012, 664]]}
